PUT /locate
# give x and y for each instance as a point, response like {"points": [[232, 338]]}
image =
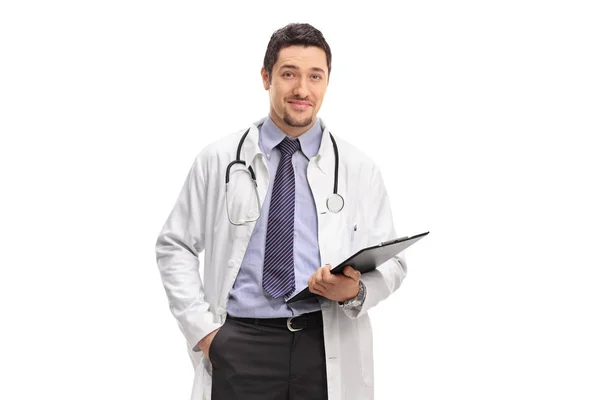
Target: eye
{"points": [[287, 74], [317, 77]]}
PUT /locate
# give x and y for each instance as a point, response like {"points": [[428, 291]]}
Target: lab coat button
{"points": [[231, 263]]}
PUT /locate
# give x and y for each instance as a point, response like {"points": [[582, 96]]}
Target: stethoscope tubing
{"points": [[335, 194]]}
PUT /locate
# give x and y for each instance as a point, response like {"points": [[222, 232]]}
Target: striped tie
{"points": [[278, 270]]}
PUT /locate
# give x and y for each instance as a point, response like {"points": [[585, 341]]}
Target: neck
{"points": [[292, 131]]}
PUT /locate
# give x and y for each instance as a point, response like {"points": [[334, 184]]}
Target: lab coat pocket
{"points": [[358, 237], [335, 238], [365, 336], [213, 351], [348, 244], [353, 230]]}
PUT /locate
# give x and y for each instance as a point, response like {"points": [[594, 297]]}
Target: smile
{"points": [[300, 105]]}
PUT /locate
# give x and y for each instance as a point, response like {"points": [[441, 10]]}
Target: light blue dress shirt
{"points": [[247, 298]]}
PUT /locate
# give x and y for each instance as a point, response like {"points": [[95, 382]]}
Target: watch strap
{"points": [[356, 301]]}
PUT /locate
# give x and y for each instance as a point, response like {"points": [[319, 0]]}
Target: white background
{"points": [[483, 116]]}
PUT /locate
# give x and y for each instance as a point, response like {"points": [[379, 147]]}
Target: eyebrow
{"points": [[294, 67]]}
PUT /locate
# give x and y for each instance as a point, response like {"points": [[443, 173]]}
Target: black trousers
{"points": [[255, 362]]}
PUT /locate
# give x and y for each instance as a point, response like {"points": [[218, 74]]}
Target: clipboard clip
{"points": [[393, 241]]}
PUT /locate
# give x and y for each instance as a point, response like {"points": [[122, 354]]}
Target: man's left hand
{"points": [[337, 287]]}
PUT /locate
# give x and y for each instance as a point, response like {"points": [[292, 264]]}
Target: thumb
{"points": [[351, 272]]}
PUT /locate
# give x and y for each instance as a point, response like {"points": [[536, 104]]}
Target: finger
{"points": [[319, 274], [314, 286], [320, 287], [316, 289], [351, 273], [323, 274], [311, 283], [328, 277]]}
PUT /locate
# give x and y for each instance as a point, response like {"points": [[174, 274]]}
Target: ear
{"points": [[265, 78]]}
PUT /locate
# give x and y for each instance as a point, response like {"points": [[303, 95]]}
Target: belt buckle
{"points": [[289, 325]]}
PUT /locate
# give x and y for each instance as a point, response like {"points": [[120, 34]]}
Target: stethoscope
{"points": [[335, 202]]}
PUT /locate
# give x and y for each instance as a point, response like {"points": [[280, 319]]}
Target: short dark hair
{"points": [[291, 35]]}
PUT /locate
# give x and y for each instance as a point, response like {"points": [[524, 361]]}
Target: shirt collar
{"points": [[270, 136], [324, 157]]}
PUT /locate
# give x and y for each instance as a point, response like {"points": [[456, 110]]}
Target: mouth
{"points": [[300, 105]]}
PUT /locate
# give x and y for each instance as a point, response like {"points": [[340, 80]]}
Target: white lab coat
{"points": [[198, 222]]}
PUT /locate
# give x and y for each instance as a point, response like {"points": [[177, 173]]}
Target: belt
{"points": [[293, 324]]}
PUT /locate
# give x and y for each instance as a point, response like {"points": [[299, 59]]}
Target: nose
{"points": [[301, 88]]}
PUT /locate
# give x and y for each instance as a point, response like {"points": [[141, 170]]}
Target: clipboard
{"points": [[367, 259]]}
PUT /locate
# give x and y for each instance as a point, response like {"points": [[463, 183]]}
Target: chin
{"points": [[298, 120]]}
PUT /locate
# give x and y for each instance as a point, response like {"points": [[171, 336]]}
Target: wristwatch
{"points": [[357, 301]]}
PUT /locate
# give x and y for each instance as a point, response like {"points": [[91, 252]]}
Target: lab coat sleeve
{"points": [[385, 279], [177, 248]]}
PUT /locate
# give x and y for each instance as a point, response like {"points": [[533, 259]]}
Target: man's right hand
{"points": [[206, 341]]}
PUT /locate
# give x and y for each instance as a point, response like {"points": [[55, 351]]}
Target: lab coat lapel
{"points": [[256, 159], [321, 174]]}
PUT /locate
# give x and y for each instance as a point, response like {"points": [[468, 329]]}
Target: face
{"points": [[297, 87]]}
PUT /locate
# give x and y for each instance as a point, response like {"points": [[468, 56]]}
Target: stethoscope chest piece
{"points": [[335, 203]]}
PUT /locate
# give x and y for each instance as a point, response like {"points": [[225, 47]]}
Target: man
{"points": [[270, 232]]}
